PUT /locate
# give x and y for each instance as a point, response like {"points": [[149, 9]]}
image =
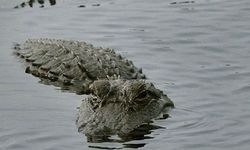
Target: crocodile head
{"points": [[120, 106]]}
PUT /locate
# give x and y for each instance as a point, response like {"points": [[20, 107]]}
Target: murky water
{"points": [[197, 53]]}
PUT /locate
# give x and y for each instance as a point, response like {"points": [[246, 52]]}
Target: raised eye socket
{"points": [[153, 94], [142, 95]]}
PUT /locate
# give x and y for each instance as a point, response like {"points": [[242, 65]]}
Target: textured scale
{"points": [[117, 104], [74, 63], [120, 106]]}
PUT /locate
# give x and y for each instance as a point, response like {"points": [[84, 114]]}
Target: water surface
{"points": [[197, 53]]}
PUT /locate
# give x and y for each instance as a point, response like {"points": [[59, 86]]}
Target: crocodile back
{"points": [[74, 63]]}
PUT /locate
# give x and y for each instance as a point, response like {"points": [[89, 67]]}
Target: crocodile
{"points": [[119, 101], [74, 63], [120, 106]]}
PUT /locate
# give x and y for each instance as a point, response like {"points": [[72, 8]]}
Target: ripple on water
{"points": [[38, 139], [197, 53]]}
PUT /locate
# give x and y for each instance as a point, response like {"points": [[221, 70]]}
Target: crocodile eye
{"points": [[142, 95]]}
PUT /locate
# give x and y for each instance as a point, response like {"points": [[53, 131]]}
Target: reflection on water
{"points": [[139, 134], [30, 3], [197, 53], [64, 87], [125, 146]]}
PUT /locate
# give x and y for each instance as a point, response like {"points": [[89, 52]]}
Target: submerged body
{"points": [[120, 100]]}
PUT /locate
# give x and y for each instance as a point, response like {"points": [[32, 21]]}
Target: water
{"points": [[197, 53]]}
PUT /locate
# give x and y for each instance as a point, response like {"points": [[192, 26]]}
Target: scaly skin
{"points": [[120, 100], [120, 106], [74, 63]]}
